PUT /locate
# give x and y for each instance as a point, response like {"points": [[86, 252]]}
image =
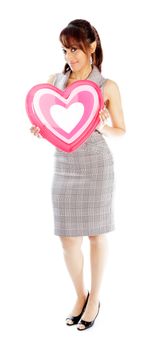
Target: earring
{"points": [[91, 60]]}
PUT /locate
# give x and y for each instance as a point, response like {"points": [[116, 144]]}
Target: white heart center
{"points": [[67, 118]]}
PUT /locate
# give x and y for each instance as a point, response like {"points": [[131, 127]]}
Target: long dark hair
{"points": [[82, 33]]}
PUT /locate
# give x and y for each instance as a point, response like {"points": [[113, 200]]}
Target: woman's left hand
{"points": [[104, 115]]}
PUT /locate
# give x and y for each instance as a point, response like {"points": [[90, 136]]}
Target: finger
{"points": [[38, 130], [35, 130], [104, 109], [36, 133], [107, 114], [32, 131], [102, 120], [33, 127], [104, 114]]}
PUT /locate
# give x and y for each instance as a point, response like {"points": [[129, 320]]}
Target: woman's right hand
{"points": [[35, 130]]}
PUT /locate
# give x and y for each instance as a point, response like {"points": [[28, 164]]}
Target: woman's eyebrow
{"points": [[72, 46]]}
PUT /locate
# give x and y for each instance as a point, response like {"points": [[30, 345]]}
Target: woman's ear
{"points": [[93, 47]]}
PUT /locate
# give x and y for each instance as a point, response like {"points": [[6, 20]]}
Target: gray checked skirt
{"points": [[82, 189]]}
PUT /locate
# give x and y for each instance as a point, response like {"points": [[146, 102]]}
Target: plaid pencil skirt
{"points": [[82, 189]]}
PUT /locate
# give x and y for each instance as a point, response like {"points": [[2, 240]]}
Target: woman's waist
{"points": [[95, 143]]}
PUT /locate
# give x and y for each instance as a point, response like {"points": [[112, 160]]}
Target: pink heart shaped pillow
{"points": [[67, 117]]}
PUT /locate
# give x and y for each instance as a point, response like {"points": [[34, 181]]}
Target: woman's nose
{"points": [[69, 55]]}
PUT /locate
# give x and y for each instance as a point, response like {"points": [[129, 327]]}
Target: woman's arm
{"points": [[111, 90]]}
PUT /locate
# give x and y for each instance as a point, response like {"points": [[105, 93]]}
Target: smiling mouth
{"points": [[73, 63]]}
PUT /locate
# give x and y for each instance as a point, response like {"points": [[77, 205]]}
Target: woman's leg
{"points": [[98, 257], [73, 257]]}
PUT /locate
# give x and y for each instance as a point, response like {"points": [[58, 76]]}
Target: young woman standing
{"points": [[83, 182]]}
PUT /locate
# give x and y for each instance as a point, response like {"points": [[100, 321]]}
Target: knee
{"points": [[98, 239], [71, 243]]}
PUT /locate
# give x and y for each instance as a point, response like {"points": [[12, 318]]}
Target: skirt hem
{"points": [[97, 232]]}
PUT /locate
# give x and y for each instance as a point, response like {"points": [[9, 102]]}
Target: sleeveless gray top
{"points": [[61, 80]]}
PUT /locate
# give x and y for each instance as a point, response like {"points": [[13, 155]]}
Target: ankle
{"points": [[94, 297]]}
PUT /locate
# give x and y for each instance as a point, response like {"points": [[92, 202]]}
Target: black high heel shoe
{"points": [[88, 324], [75, 319]]}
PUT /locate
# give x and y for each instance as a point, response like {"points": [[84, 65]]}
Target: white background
{"points": [[36, 291]]}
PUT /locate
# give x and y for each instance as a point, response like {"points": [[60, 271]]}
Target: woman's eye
{"points": [[73, 49]]}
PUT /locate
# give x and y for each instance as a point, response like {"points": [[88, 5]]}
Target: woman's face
{"points": [[76, 58]]}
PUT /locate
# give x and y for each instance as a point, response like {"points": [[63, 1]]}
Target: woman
{"points": [[83, 183]]}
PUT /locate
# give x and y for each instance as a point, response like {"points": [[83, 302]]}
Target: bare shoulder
{"points": [[51, 78]]}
